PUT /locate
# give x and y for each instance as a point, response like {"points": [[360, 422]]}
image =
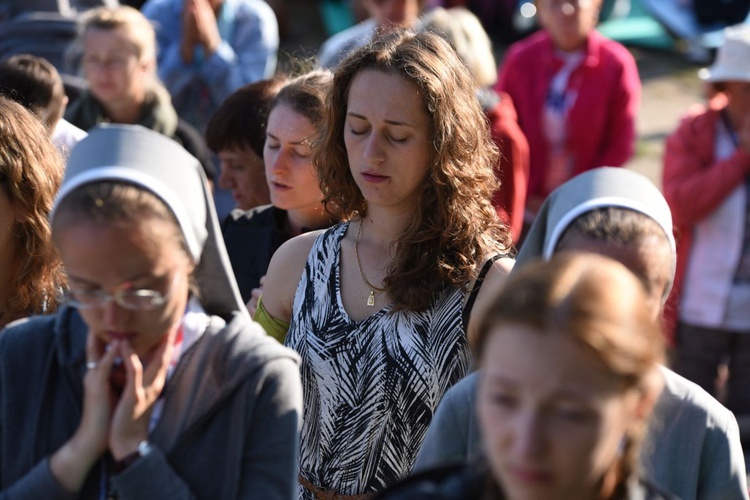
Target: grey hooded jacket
{"points": [[229, 426]]}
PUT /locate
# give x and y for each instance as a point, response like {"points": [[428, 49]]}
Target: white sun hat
{"points": [[733, 60]]}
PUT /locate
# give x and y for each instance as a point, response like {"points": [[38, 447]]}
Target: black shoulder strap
{"points": [[477, 285]]}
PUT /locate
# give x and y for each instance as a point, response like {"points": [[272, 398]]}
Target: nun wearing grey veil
{"points": [[692, 448], [151, 382]]}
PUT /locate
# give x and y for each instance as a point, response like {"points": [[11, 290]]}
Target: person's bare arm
{"points": [[284, 273], [255, 293]]}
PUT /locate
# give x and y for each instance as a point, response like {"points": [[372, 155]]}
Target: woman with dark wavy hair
{"points": [[30, 174], [295, 116], [379, 306]]}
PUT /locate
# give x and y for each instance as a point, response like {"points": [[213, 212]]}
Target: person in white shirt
{"points": [[383, 14], [34, 82]]}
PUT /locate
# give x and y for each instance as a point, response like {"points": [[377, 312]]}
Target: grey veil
{"points": [[597, 188], [136, 155]]}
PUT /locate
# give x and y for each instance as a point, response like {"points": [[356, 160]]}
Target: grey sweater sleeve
{"points": [[38, 483], [449, 437], [271, 458], [269, 468], [722, 468]]}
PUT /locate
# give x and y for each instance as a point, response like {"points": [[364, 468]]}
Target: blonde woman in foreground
{"points": [[569, 353]]}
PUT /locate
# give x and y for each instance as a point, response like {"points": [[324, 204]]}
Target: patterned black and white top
{"points": [[370, 387]]}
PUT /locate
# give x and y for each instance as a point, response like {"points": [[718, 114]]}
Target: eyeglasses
{"points": [[134, 299]]}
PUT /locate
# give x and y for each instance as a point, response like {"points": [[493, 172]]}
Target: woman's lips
{"points": [[373, 177], [280, 187], [530, 474]]}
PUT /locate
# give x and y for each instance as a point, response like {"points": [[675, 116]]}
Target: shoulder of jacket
{"points": [[26, 336]]}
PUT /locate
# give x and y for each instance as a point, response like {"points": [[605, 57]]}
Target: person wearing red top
{"points": [[513, 167], [464, 32], [694, 183], [577, 94], [706, 182]]}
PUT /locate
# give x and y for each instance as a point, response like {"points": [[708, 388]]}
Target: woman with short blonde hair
{"points": [[118, 60], [569, 353]]}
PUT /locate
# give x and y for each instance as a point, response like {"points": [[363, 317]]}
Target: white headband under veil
{"points": [[154, 162], [597, 188]]}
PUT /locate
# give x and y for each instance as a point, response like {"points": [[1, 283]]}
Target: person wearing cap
{"points": [[568, 350], [151, 382], [692, 448], [706, 183]]}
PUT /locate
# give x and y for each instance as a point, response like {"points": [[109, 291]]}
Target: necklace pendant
{"points": [[371, 299]]}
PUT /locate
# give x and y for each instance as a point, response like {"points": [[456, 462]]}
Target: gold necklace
{"points": [[373, 288]]}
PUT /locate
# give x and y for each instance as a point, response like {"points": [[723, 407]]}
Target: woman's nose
{"points": [[529, 436], [373, 149], [114, 314], [279, 162]]}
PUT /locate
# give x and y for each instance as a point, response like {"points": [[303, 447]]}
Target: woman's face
{"points": [[388, 138], [287, 155], [111, 67], [114, 258], [569, 22], [394, 12], [552, 417], [243, 173], [649, 258]]}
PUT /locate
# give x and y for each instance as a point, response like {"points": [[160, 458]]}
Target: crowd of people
{"points": [[438, 279]]}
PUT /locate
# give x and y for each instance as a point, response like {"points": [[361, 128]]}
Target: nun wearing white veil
{"points": [[151, 382]]}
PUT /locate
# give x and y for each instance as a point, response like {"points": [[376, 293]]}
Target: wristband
{"points": [[144, 448]]}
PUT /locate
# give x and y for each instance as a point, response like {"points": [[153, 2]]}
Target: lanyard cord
{"points": [[729, 128]]}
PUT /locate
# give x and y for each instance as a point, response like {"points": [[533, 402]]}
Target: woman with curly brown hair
{"points": [[30, 174], [382, 313]]}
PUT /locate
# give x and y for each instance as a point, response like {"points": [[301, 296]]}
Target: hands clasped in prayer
{"points": [[119, 395]]}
